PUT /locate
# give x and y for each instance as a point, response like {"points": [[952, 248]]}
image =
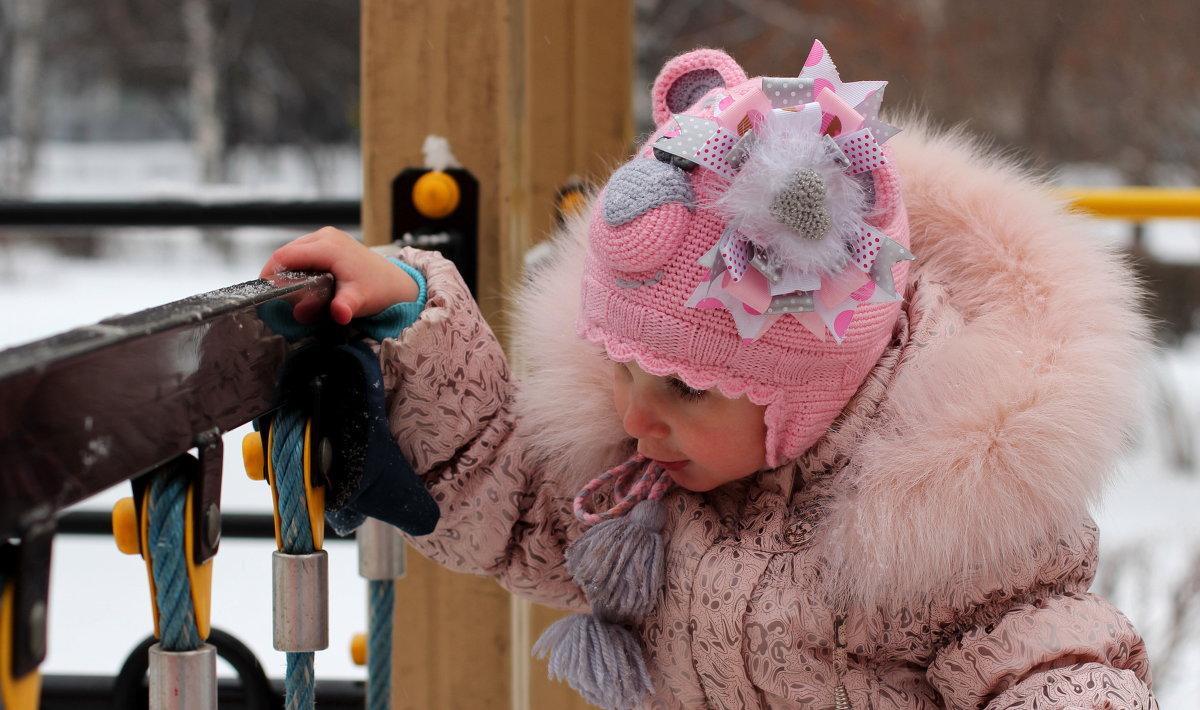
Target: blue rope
{"points": [[379, 644], [168, 562], [287, 452], [300, 683], [295, 532]]}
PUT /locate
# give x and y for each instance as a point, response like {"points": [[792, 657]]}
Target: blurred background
{"points": [[239, 82], [211, 100]]}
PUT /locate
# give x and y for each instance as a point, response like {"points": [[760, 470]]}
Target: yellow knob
{"points": [[571, 202], [125, 527], [252, 456], [435, 194], [358, 649]]}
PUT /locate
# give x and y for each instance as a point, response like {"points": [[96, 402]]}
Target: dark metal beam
{"points": [[87, 409], [88, 692], [178, 213], [233, 525]]}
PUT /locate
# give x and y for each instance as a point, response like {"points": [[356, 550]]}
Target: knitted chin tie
{"points": [[619, 564]]}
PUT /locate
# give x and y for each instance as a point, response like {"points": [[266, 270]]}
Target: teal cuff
{"points": [[386, 324], [389, 322]]}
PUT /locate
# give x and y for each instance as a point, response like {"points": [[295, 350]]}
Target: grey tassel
{"points": [[619, 563], [602, 661]]}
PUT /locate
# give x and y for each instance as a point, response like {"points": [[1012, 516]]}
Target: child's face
{"points": [[703, 438]]}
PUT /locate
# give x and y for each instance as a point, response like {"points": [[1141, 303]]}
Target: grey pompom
{"points": [[602, 661], [801, 205], [619, 563]]}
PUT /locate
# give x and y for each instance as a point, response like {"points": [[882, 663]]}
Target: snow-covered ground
{"points": [[1150, 519]]}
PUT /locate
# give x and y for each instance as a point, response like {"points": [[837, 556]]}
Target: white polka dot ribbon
{"points": [[862, 150]]}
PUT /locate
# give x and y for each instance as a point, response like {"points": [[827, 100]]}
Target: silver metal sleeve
{"points": [[183, 680], [300, 590], [381, 550]]}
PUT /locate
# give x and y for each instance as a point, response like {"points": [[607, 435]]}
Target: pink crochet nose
{"points": [[643, 244]]}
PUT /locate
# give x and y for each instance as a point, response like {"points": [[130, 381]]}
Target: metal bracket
{"points": [[204, 471], [321, 451], [206, 482], [29, 561]]}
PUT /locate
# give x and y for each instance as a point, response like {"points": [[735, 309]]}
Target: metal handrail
{"points": [[1136, 203], [1132, 203], [179, 213]]}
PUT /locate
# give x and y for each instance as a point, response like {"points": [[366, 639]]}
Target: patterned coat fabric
{"points": [[933, 550]]}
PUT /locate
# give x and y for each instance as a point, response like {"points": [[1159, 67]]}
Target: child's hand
{"points": [[366, 282]]}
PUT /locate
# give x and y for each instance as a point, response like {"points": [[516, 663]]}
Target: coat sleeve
{"points": [[1061, 649], [450, 406]]}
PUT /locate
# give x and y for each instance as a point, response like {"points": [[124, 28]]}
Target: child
{"points": [[850, 479]]}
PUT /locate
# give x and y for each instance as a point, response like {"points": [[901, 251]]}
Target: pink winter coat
{"points": [[938, 534]]}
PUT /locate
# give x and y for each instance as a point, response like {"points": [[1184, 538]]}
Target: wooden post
{"points": [[529, 93]]}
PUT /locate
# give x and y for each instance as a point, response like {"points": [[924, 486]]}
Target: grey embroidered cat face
{"points": [[642, 185]]}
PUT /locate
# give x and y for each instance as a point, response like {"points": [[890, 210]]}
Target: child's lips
{"points": [[672, 465]]}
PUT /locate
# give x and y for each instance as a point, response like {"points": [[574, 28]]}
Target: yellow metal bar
{"points": [[1136, 203]]}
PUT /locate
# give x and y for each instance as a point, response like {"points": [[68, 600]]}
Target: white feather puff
{"points": [[789, 143]]}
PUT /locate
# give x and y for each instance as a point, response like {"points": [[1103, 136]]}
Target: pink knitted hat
{"points": [[757, 242]]}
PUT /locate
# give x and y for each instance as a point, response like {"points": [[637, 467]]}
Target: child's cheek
{"points": [[620, 391]]}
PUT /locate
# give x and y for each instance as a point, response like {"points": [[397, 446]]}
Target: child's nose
{"points": [[642, 419]]}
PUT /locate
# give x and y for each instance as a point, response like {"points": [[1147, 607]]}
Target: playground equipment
{"points": [[127, 399], [493, 78], [498, 97], [1136, 203], [95, 406]]}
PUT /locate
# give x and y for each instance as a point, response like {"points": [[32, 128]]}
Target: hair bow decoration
{"points": [[798, 153]]}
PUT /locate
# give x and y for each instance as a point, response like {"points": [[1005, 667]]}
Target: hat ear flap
{"points": [[685, 79]]}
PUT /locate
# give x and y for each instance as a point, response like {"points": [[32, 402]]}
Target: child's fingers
{"points": [[309, 256], [316, 251], [366, 282], [345, 305], [308, 309]]}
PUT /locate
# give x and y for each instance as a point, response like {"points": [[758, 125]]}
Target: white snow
{"points": [[1150, 519], [438, 155]]}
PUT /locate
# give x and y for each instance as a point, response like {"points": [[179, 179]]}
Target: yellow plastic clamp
{"points": [[15, 693], [358, 649], [314, 495], [435, 194], [125, 527], [252, 456], [571, 202], [133, 540]]}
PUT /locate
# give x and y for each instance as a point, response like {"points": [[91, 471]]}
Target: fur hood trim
{"points": [[991, 443]]}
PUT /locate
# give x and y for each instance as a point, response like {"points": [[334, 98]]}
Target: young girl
{"points": [[786, 465]]}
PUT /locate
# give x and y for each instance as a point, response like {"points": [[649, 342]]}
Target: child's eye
{"points": [[681, 388]]}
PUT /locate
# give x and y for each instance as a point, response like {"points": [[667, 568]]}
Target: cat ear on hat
{"points": [[685, 79]]}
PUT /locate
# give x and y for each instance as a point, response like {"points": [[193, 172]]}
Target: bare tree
{"points": [[225, 73], [1166, 604], [27, 21], [204, 89]]}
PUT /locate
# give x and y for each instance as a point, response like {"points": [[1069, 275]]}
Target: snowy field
{"points": [[1150, 518]]}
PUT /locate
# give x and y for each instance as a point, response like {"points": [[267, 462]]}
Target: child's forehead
{"points": [[670, 375]]}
